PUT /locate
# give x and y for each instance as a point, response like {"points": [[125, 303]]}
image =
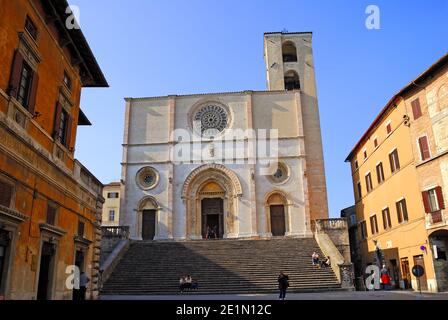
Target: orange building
{"points": [[50, 204], [400, 180]]}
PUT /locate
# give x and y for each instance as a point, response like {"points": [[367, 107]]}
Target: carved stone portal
{"points": [[211, 181]]}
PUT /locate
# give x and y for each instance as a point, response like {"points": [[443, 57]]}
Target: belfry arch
{"points": [[211, 181]]}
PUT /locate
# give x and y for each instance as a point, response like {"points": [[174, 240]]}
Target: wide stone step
{"points": [[223, 266]]}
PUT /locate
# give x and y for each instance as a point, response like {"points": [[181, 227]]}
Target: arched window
{"points": [[289, 52], [292, 81]]}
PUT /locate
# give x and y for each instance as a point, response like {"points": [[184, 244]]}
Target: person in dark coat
{"points": [[283, 284]]}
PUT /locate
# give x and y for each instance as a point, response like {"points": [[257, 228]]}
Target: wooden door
{"points": [[213, 216], [395, 272], [418, 260], [405, 273], [148, 224], [278, 225], [45, 272], [4, 244]]}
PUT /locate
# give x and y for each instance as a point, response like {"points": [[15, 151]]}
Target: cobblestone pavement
{"points": [[340, 295]]}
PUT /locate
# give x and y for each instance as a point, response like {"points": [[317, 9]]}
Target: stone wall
{"points": [[337, 231]]}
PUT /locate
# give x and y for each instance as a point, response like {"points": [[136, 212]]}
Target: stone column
{"points": [[97, 247], [303, 174], [252, 175], [266, 232], [170, 177]]}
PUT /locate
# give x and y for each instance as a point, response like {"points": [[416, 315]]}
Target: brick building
{"points": [[50, 204]]}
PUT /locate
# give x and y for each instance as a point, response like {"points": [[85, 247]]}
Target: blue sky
{"points": [[152, 48]]}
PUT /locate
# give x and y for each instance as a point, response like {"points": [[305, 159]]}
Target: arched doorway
{"points": [[439, 245], [212, 210], [277, 214], [211, 194], [147, 210]]}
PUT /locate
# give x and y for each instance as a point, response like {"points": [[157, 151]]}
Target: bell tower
{"points": [[289, 61], [290, 66]]}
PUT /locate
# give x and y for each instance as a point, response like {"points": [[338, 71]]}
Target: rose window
{"points": [[211, 120]]}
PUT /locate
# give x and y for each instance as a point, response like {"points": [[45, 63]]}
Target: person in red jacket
{"points": [[385, 279]]}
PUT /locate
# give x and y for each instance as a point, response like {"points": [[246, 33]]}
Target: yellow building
{"points": [[400, 177], [111, 206]]}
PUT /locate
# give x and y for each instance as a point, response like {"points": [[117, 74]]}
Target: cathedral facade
{"points": [[183, 178]]}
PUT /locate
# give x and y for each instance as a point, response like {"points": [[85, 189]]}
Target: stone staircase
{"points": [[222, 267]]}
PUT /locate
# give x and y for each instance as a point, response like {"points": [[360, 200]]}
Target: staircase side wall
{"points": [[330, 250], [113, 259]]}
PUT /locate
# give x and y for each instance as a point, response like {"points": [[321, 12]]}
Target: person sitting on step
{"points": [[188, 282], [182, 284], [325, 263], [194, 284], [315, 258]]}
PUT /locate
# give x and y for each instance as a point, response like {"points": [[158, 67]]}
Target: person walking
{"points": [[283, 284], [83, 281], [209, 233]]}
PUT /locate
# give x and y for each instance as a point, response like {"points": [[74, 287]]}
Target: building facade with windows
{"points": [[400, 182], [350, 215], [50, 204], [167, 196], [111, 206]]}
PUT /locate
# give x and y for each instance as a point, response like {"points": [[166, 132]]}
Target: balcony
{"points": [[436, 219], [121, 232]]}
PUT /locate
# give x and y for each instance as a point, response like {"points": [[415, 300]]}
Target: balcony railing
{"points": [[323, 225], [436, 218], [121, 232]]}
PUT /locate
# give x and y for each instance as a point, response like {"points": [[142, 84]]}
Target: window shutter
{"points": [[57, 119], [16, 72], [392, 169], [440, 198], [5, 194], [426, 204], [405, 210], [416, 108], [389, 128], [399, 212], [424, 148], [33, 93], [69, 131]]}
